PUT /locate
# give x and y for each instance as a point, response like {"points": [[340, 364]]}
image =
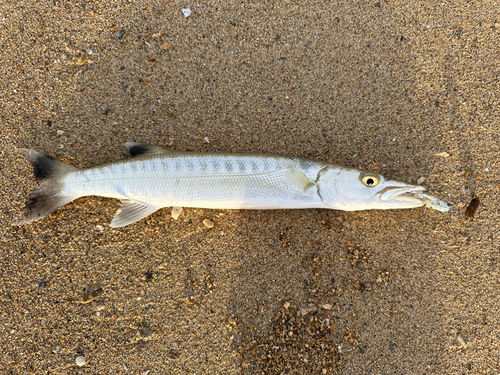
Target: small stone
{"points": [[186, 12], [379, 280], [119, 34], [306, 310], [324, 371], [166, 46], [420, 180], [122, 67], [42, 284], [208, 223], [174, 354], [100, 307], [80, 360], [462, 341], [60, 132], [176, 212], [442, 154], [100, 228], [393, 347], [286, 305], [86, 298], [206, 140], [157, 35], [326, 306], [146, 332], [107, 111]]}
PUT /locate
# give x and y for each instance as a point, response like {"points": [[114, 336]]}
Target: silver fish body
{"points": [[206, 180], [154, 178]]}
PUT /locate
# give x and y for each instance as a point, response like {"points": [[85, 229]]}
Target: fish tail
{"points": [[48, 197]]}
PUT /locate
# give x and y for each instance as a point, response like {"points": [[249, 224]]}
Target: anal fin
{"points": [[131, 211]]}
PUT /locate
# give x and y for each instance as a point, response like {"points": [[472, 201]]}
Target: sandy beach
{"points": [[409, 90]]}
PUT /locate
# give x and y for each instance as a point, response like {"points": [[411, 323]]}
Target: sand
{"points": [[385, 86]]}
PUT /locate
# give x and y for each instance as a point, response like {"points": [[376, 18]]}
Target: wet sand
{"points": [[384, 86]]}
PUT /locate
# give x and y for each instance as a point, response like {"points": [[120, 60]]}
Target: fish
{"points": [[154, 178]]}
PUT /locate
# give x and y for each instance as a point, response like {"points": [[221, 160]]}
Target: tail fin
{"points": [[48, 197]]}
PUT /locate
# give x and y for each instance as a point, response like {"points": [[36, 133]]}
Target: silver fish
{"points": [[155, 178]]}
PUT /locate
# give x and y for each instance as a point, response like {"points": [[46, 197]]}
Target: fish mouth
{"points": [[403, 196], [412, 196]]}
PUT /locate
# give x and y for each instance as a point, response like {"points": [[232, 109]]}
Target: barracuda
{"points": [[155, 178]]}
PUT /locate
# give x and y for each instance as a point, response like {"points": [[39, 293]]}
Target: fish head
{"points": [[352, 189]]}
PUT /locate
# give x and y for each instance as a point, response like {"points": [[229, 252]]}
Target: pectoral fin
{"points": [[131, 211], [298, 178]]}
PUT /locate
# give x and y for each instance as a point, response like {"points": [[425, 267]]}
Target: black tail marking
{"points": [[47, 198]]}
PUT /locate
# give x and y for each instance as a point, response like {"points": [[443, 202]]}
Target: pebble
{"points": [[306, 310], [420, 180], [176, 212], [286, 305], [107, 111], [60, 132], [186, 12], [146, 332], [208, 223], [173, 354], [462, 341], [393, 347], [326, 306], [442, 154], [166, 46], [100, 307], [119, 34], [80, 360]]}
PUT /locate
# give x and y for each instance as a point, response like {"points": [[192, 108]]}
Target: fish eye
{"points": [[370, 181]]}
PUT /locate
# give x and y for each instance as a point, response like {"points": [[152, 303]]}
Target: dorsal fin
{"points": [[136, 148]]}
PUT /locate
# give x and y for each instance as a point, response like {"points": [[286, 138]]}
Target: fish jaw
{"points": [[412, 196], [400, 196]]}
